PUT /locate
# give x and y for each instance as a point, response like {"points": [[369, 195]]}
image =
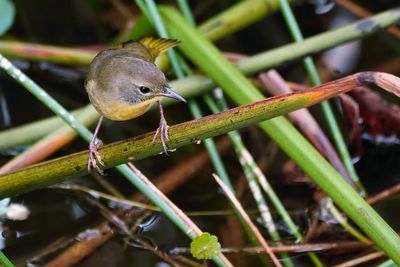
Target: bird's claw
{"points": [[94, 157], [162, 130]]}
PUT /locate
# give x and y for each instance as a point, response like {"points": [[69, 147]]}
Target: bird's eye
{"points": [[144, 90]]}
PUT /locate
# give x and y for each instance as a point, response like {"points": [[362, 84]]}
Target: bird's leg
{"points": [[162, 129], [94, 156]]}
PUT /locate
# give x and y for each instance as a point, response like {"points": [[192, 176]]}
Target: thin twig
{"points": [[246, 217], [189, 262], [178, 175], [342, 221], [157, 252], [122, 9], [192, 227], [312, 228], [384, 194], [101, 195], [360, 260], [70, 257]]}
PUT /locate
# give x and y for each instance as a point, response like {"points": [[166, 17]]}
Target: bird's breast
{"points": [[120, 111]]}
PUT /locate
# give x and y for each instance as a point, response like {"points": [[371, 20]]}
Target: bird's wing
{"points": [[147, 48], [157, 46]]}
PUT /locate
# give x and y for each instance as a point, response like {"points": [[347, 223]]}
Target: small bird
{"points": [[123, 83]]}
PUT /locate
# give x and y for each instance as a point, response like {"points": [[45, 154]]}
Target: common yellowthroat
{"points": [[124, 82]]}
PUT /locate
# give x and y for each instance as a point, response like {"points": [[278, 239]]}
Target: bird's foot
{"points": [[94, 157], [162, 130]]}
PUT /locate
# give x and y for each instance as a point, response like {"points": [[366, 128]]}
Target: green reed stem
{"points": [[46, 99], [328, 113], [211, 148], [326, 107], [237, 17], [187, 13], [388, 263], [343, 222], [5, 261]]}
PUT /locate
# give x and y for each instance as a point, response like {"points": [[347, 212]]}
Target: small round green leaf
{"points": [[205, 246], [7, 15]]}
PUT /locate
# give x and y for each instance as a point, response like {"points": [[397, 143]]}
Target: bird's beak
{"points": [[172, 94]]}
